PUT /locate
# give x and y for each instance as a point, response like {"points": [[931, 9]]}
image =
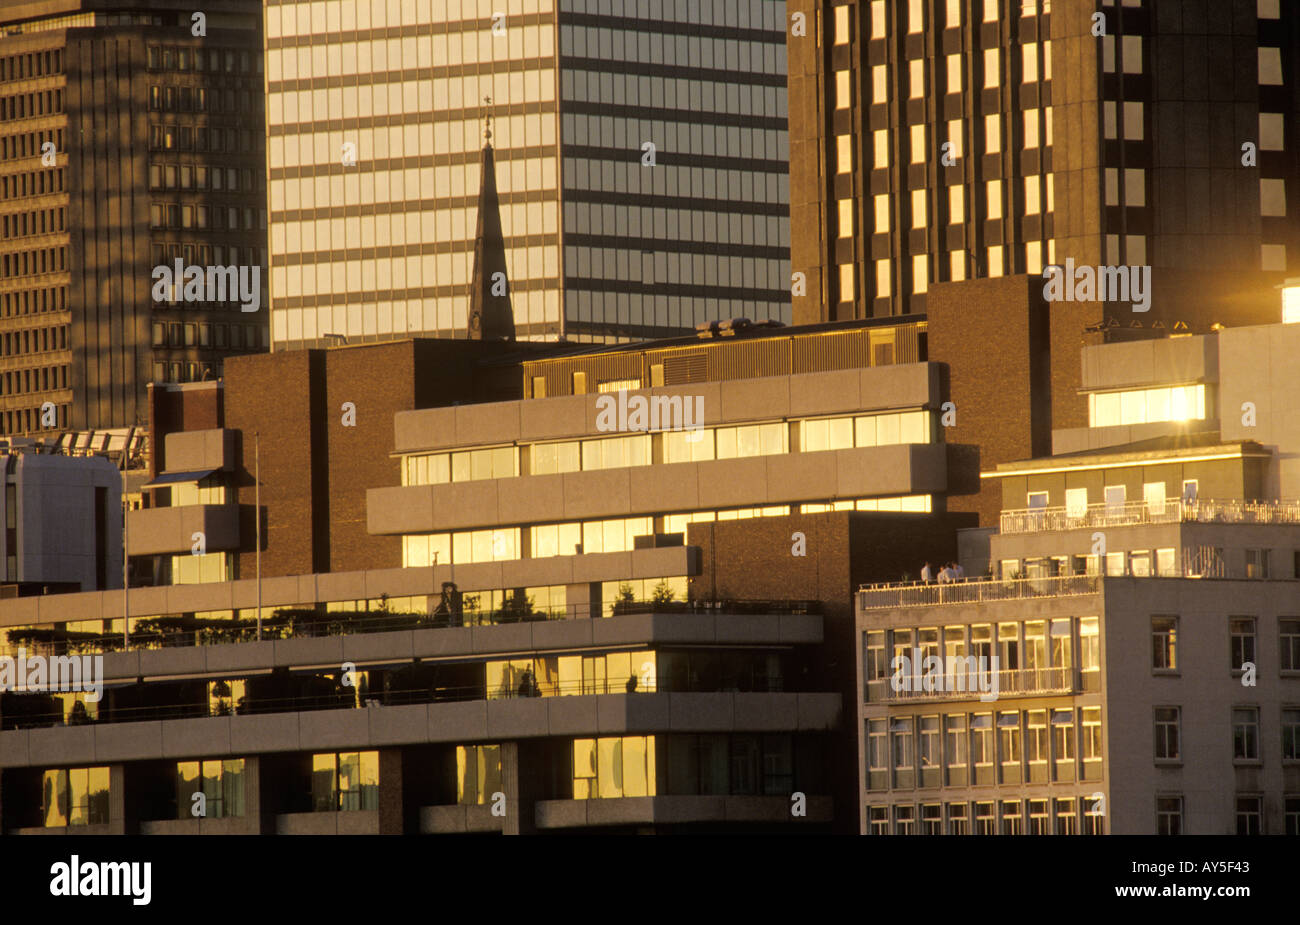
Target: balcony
{"points": [[171, 530], [1022, 682], [1171, 511], [916, 594]]}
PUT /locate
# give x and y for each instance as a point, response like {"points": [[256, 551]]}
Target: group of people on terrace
{"points": [[951, 571]]}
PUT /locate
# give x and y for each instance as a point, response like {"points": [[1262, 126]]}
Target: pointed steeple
{"points": [[490, 314]]}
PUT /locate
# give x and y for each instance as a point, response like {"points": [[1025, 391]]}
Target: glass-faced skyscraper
{"points": [[376, 117]]}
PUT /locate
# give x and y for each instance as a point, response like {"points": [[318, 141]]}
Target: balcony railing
{"points": [[917, 594], [1014, 682], [1169, 511]]}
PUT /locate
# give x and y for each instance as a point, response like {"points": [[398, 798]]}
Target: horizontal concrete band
{"points": [[786, 478], [877, 388], [450, 642], [556, 814], [171, 530], [379, 727], [305, 590]]}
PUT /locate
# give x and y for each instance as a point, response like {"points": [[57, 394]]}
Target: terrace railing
{"points": [[1169, 511]]}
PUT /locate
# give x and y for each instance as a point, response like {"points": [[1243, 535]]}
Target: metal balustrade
{"points": [[918, 594], [1170, 511]]}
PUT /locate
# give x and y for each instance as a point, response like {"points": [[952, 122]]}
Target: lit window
{"points": [[1112, 186], [1270, 66], [993, 198], [920, 273], [1272, 257], [846, 218], [1134, 127], [990, 10], [914, 16], [1135, 188], [878, 19], [1291, 305], [1272, 198], [882, 278], [956, 205], [1269, 9], [1133, 54], [880, 147], [843, 90], [1271, 131], [1110, 128], [1031, 197], [916, 78], [957, 265], [953, 19], [918, 208], [847, 293], [841, 25], [881, 204], [918, 144], [992, 134], [954, 137], [991, 68], [844, 154], [1031, 128], [1030, 61], [1033, 257], [879, 84], [954, 73], [995, 261]]}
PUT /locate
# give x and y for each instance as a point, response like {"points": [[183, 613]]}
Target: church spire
{"points": [[490, 314]]}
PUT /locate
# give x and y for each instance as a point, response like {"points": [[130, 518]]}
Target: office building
{"points": [[98, 188], [532, 605], [640, 157], [936, 141], [1139, 598]]}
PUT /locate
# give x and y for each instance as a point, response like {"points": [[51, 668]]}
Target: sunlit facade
{"points": [[383, 104]]}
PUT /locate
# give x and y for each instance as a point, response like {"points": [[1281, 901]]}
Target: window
{"points": [[985, 819], [916, 79], [617, 766], [1067, 820], [843, 89], [1063, 743], [1190, 489], [1012, 820], [1241, 632], [958, 815], [992, 134], [1090, 747], [1009, 746], [1040, 821], [221, 782], [918, 208], [1164, 643], [991, 68], [1250, 816], [879, 85], [478, 773], [1169, 815], [1291, 809], [1257, 562], [877, 755], [955, 751], [75, 796], [1089, 654], [1245, 733], [901, 751], [878, 816], [905, 820], [956, 212], [1289, 644], [841, 25], [954, 73], [843, 154], [345, 781], [1291, 734], [932, 819]]}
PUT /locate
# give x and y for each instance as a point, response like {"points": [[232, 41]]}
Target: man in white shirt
{"points": [[927, 574]]}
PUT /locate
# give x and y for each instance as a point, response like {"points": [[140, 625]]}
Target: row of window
{"points": [[706, 443], [209, 255], [1147, 406], [981, 749], [212, 60], [31, 183], [218, 336], [34, 262], [1242, 644], [1032, 646], [32, 301], [31, 105], [20, 382], [1248, 814], [586, 175], [663, 265], [673, 138], [916, 16], [32, 64], [41, 221], [34, 340], [648, 47], [201, 99], [701, 226], [201, 177], [26, 422], [219, 218], [1055, 816], [606, 88], [203, 138], [30, 144]]}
